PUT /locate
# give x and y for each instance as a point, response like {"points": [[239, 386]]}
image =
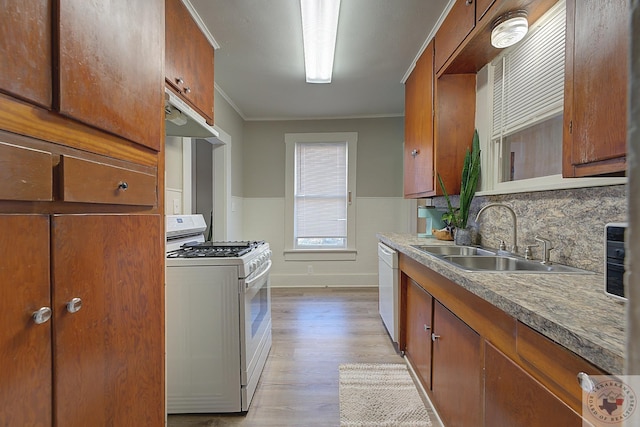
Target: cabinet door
{"points": [[481, 8], [110, 66], [418, 326], [189, 59], [595, 106], [25, 347], [514, 398], [109, 354], [25, 50], [418, 144], [454, 29], [457, 370]]}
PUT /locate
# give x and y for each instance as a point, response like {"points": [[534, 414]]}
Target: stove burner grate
{"points": [[214, 249]]}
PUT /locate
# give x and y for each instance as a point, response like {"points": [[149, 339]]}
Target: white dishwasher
{"points": [[388, 292]]}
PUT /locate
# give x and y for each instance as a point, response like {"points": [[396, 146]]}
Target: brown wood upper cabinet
{"points": [[482, 6], [596, 76], [463, 41], [418, 128], [189, 60], [439, 125], [455, 28], [25, 50], [110, 67]]}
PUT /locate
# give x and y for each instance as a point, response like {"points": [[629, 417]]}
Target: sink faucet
{"points": [[514, 247], [546, 248]]}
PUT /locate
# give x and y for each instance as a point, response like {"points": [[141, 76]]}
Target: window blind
{"points": [[320, 196], [529, 77]]}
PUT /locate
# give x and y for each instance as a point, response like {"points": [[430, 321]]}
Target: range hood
{"points": [[182, 120]]}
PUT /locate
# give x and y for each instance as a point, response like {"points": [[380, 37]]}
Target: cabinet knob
{"points": [[74, 305], [187, 89], [179, 80], [585, 381], [123, 186], [415, 152], [434, 337], [42, 315], [468, 2], [427, 328]]}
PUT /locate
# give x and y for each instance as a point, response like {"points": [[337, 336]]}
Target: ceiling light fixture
{"points": [[509, 29], [319, 29]]}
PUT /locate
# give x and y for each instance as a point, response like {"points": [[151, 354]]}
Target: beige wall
{"points": [[227, 119], [379, 162]]}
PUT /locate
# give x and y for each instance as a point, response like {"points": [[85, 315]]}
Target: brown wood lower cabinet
{"points": [[418, 338], [100, 359], [108, 356], [25, 347], [457, 369], [515, 398], [483, 367]]}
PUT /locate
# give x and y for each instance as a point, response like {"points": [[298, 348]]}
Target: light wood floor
{"points": [[314, 331]]}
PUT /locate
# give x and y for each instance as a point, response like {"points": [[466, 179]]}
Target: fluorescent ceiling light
{"points": [[319, 29], [509, 29]]}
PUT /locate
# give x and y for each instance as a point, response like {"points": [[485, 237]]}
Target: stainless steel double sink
{"points": [[476, 259]]}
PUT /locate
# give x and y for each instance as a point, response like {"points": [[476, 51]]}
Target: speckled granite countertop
{"points": [[572, 310]]}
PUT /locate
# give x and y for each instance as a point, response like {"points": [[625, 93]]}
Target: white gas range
{"points": [[218, 323]]}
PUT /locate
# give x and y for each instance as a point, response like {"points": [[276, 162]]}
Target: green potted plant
{"points": [[456, 218]]}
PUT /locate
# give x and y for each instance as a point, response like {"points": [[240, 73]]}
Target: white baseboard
{"points": [[324, 280]]}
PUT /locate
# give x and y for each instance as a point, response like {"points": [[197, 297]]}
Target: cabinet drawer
{"points": [[456, 26], [553, 365], [25, 174], [94, 182]]}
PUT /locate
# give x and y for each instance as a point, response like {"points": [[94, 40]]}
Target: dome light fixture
{"points": [[509, 29]]}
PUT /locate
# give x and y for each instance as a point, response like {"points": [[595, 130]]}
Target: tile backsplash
{"points": [[572, 219]]}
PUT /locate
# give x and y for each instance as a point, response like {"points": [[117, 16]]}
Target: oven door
{"points": [[255, 328]]}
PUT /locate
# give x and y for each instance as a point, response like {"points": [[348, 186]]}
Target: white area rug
{"points": [[379, 395]]}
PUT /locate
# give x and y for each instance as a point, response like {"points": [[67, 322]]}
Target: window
{"points": [[320, 195], [320, 183], [528, 94]]}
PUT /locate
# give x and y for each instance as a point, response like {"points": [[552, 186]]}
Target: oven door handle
{"points": [[250, 283]]}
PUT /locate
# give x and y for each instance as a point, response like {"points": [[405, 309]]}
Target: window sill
{"points": [[555, 182], [320, 254]]}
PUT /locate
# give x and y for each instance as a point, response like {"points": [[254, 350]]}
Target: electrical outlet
{"points": [[176, 206], [309, 269]]}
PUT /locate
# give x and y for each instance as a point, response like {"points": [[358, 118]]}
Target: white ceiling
{"points": [[259, 66]]}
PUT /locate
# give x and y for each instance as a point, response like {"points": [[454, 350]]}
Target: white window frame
{"points": [[342, 254], [490, 159]]}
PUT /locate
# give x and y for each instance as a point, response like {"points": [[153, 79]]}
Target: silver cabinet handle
{"points": [[427, 328], [585, 381], [123, 186], [414, 153], [74, 305], [42, 315], [187, 89], [468, 2], [179, 80], [434, 337]]}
